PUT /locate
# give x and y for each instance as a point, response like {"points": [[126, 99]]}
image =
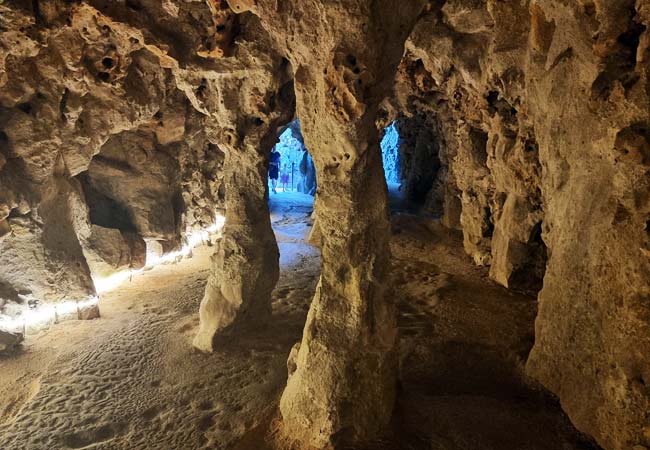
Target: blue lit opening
{"points": [[390, 154], [297, 172]]}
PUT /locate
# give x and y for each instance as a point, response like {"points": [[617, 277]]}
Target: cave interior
{"points": [[325, 225]]}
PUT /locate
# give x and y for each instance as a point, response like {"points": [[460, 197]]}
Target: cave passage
{"points": [[295, 170], [391, 157], [459, 259]]}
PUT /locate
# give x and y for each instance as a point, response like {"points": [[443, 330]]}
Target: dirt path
{"points": [[464, 344], [132, 380]]}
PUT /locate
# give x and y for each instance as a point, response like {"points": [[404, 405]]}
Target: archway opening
{"points": [[390, 155], [292, 168], [292, 189]]}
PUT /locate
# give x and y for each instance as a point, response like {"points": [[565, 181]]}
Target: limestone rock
{"points": [[246, 262], [41, 257], [543, 134], [109, 250], [351, 324], [94, 97], [525, 124], [467, 16]]}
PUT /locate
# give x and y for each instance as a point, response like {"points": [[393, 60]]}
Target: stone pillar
{"points": [[341, 388], [247, 99], [246, 261]]}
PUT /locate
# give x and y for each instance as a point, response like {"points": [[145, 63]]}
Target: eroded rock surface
{"points": [[128, 125], [343, 387], [95, 104], [258, 100], [540, 113]]}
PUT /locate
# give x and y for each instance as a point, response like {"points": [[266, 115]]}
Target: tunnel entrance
{"points": [[390, 155], [292, 168], [292, 189]]}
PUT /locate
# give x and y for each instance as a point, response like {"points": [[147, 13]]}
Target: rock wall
{"points": [[342, 380], [126, 125], [251, 99], [540, 113], [96, 109]]}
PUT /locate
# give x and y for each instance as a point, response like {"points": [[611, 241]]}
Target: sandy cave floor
{"points": [[131, 380]]}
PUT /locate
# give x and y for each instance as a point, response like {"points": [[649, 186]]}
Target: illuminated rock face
{"points": [[101, 145], [246, 262], [524, 124], [343, 387]]}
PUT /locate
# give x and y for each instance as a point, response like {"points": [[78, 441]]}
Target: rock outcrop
{"points": [[343, 387], [9, 341], [102, 148], [249, 101]]}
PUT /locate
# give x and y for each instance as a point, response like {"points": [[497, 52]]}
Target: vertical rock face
{"points": [[258, 101], [525, 124], [542, 137], [42, 257], [469, 152], [101, 145], [588, 89]]}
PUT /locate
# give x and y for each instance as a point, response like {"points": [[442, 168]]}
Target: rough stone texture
{"points": [[541, 112], [588, 91], [108, 250], [9, 341], [524, 123], [343, 386], [255, 103], [102, 97], [42, 257], [469, 155]]}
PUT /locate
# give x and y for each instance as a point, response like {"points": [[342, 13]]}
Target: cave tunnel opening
{"points": [[415, 173], [292, 188], [392, 160], [390, 155], [291, 168]]}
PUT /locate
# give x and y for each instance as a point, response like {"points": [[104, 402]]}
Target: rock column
{"points": [[245, 264], [341, 388]]}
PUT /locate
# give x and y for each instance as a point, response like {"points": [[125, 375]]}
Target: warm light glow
{"points": [[44, 314], [107, 284], [47, 313]]}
